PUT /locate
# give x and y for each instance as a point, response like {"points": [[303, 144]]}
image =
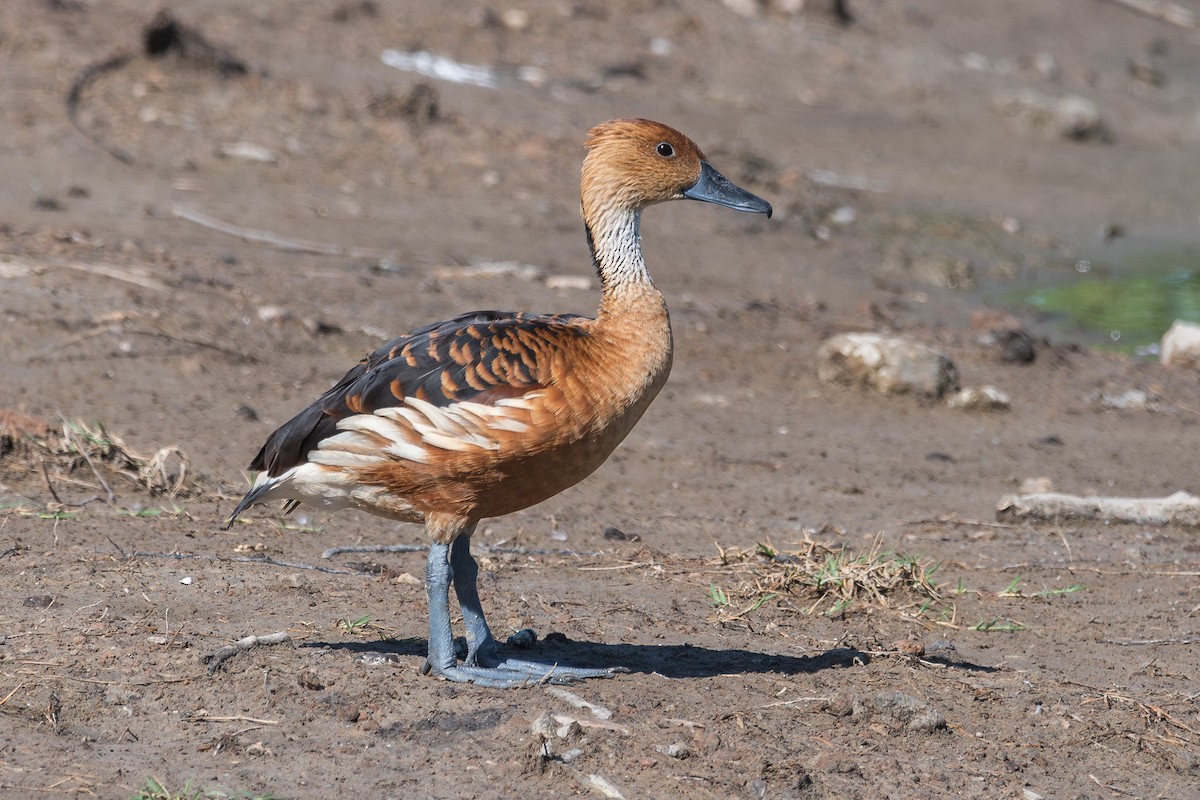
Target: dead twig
{"points": [[243, 560], [599, 712], [121, 322], [1151, 642], [116, 273], [50, 790], [50, 486], [857, 183], [1109, 786], [272, 239], [99, 682], [953, 519], [59, 500], [68, 434], [159, 333], [420, 548], [794, 700], [9, 696], [1163, 10], [86, 77], [238, 718], [215, 659], [99, 330]]}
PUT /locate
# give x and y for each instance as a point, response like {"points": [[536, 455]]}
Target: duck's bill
{"points": [[713, 187]]}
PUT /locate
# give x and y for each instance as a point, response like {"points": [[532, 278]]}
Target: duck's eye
{"points": [[665, 150]]}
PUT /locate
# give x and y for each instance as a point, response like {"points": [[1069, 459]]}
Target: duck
{"points": [[492, 412]]}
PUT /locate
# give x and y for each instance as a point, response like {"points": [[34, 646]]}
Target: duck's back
{"points": [[481, 415]]}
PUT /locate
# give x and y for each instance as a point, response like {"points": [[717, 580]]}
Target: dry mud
{"points": [[1055, 660]]}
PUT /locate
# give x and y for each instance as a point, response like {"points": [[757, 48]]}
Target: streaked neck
{"points": [[615, 238]]}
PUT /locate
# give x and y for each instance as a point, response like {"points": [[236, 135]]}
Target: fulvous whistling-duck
{"points": [[492, 412]]}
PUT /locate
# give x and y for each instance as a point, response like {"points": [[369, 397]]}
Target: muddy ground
{"points": [[1062, 657]]}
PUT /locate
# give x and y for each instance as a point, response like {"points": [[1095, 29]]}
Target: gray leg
{"points": [[452, 563], [481, 645], [437, 589]]}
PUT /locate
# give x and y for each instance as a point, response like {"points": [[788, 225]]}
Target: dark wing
{"points": [[483, 357]]}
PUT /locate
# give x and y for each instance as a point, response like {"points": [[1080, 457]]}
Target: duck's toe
{"points": [[516, 674]]}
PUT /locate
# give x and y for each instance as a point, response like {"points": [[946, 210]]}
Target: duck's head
{"points": [[633, 163]]}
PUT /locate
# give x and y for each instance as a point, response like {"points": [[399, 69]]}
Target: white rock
{"points": [[1073, 117], [1130, 399], [661, 46], [1181, 345], [602, 785], [273, 314], [490, 269], [1039, 485], [747, 8], [675, 750], [11, 267], [888, 364], [980, 398], [583, 282], [843, 215], [544, 725], [248, 151], [515, 19]]}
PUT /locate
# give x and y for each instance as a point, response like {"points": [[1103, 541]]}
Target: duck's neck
{"points": [[615, 239]]}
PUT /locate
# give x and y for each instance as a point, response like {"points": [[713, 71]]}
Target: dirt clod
{"points": [[914, 714]]}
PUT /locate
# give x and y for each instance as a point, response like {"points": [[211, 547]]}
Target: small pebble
{"points": [[515, 19], [675, 750], [258, 749], [618, 535], [187, 580], [248, 151], [378, 659], [567, 726], [309, 680], [1040, 485], [274, 314], [526, 637], [909, 647], [843, 215], [543, 726], [981, 398]]}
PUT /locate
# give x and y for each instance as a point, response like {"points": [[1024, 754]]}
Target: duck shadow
{"points": [[668, 660]]}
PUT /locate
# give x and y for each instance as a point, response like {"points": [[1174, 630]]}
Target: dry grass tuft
{"points": [[74, 450], [831, 577]]}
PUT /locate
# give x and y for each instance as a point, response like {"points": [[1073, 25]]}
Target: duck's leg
{"points": [[482, 655], [481, 645], [441, 661], [450, 561], [437, 590]]}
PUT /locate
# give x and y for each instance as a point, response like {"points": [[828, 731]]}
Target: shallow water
{"points": [[1125, 296]]}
